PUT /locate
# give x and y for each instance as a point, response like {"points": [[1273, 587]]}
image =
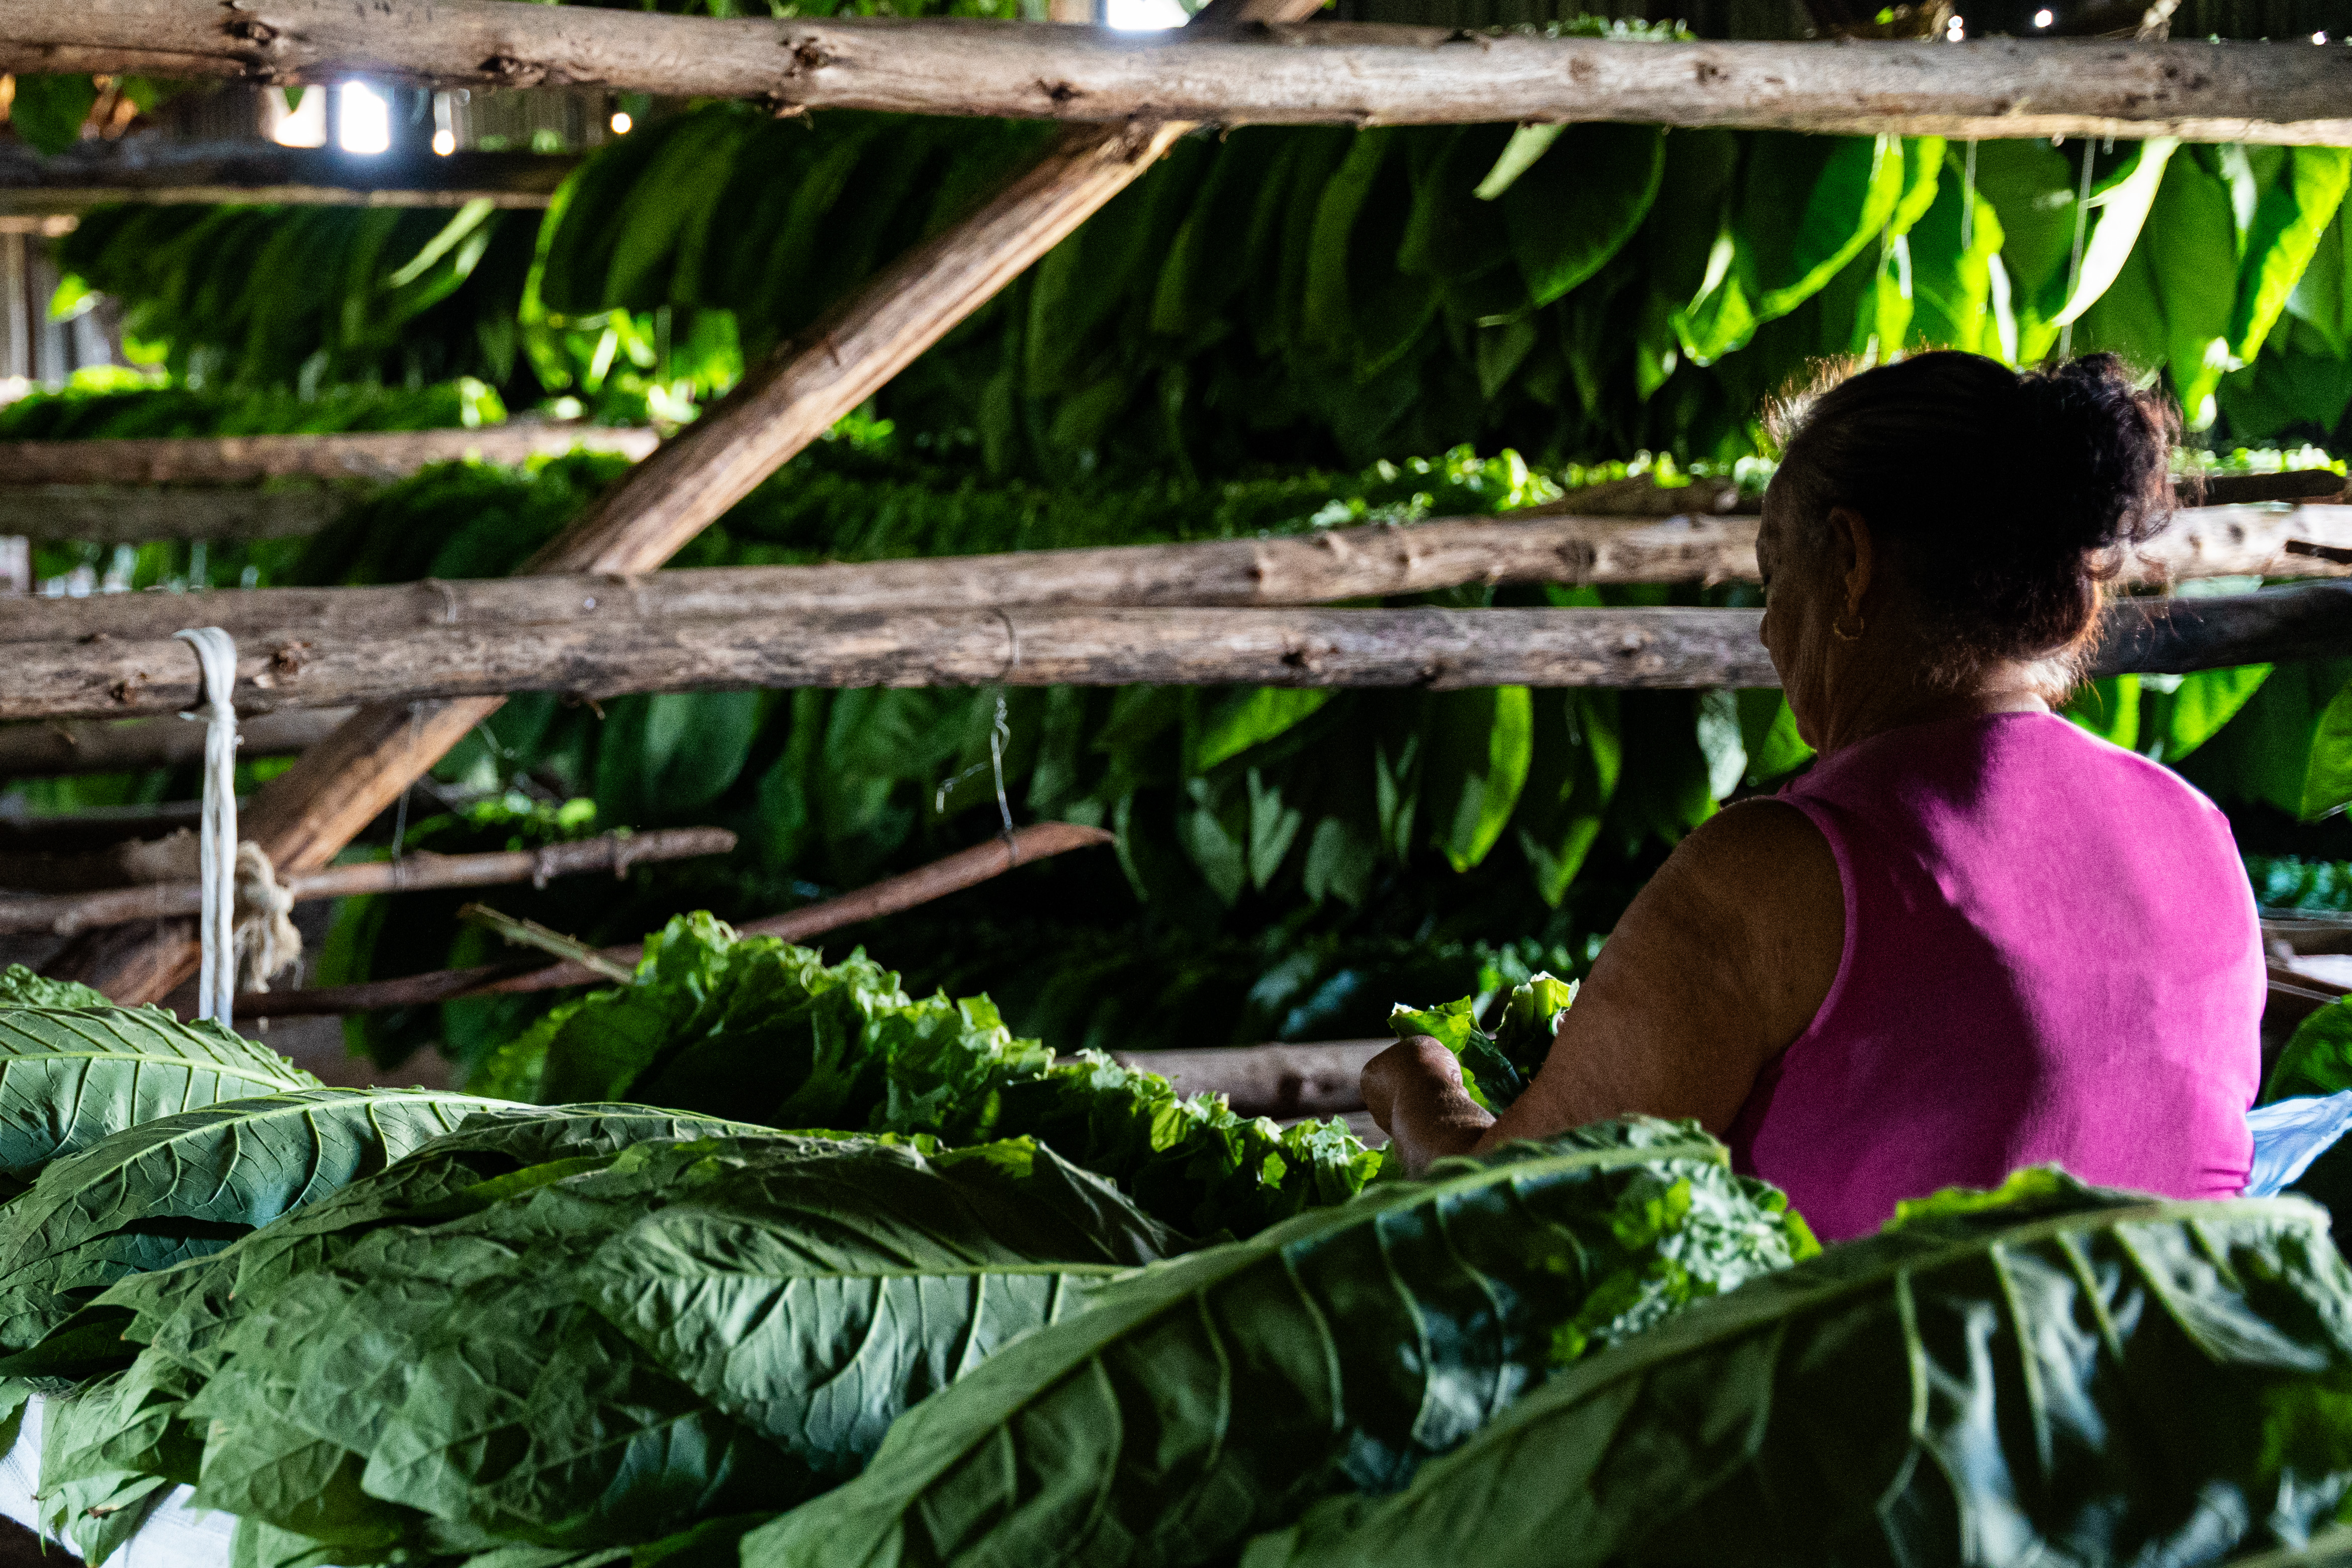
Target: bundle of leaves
{"points": [[1497, 1066], [1336, 1352], [576, 1329], [762, 1030], [2048, 1372]]}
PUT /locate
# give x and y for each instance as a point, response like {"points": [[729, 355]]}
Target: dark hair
{"points": [[1998, 493]]}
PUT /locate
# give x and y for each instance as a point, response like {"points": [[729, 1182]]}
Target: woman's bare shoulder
{"points": [[1759, 882]]}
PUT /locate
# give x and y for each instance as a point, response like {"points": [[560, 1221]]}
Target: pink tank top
{"points": [[2051, 956]]}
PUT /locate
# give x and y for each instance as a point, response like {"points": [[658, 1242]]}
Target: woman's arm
{"points": [[1718, 963]]}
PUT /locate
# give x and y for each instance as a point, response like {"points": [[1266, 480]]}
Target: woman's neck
{"points": [[1872, 708]]}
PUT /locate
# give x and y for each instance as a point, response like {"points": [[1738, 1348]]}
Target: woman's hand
{"points": [[1413, 1089]]}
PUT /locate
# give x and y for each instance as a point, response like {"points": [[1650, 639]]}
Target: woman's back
{"points": [[2051, 955]]}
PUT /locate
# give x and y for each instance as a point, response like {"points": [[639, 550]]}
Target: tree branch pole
{"points": [[1300, 568], [1354, 74], [1435, 649], [69, 913], [303, 817], [383, 455], [965, 868], [161, 169], [68, 748]]}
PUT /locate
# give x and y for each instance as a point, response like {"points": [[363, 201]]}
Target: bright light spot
{"points": [[1144, 16], [445, 142], [1954, 29], [367, 120], [620, 122], [304, 125], [2044, 18], [2320, 37]]}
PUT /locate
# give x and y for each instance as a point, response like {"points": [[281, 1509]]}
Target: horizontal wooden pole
{"points": [[138, 514], [952, 873], [72, 746], [1281, 1081], [1297, 568], [69, 913], [246, 459], [1345, 73], [154, 169], [1425, 647]]}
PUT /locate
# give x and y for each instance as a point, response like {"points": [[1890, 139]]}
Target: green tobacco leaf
{"points": [[2109, 708], [74, 1075], [2205, 701], [816, 1304], [107, 1453], [2327, 772], [1572, 211], [2317, 1059], [2195, 236], [421, 1347], [1767, 733], [185, 1185], [2292, 217], [2123, 208], [49, 110], [1527, 143], [1485, 741], [2082, 1376], [1207, 1398], [1252, 719]]}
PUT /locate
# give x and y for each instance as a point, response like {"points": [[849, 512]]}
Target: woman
{"points": [[1973, 936]]}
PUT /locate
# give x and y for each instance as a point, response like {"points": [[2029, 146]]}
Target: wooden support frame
{"points": [[1350, 74], [1368, 562], [303, 817], [226, 460], [69, 913], [154, 169], [1423, 647]]}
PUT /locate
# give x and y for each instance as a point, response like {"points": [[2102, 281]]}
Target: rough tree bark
{"points": [[1349, 73], [246, 459], [158, 169]]}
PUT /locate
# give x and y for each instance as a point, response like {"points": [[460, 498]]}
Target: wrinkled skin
{"points": [[1724, 959]]}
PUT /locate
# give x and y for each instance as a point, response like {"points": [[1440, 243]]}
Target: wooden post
{"points": [[303, 817]]}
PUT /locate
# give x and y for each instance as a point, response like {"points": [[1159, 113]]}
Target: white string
{"points": [[216, 840], [1000, 735]]}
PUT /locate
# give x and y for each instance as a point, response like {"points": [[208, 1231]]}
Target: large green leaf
{"points": [[1209, 1397], [2195, 236], [2046, 1374], [2203, 702], [1573, 210], [72, 1075], [2328, 776], [816, 1301], [2289, 221], [2121, 208], [185, 1185], [421, 1347]]}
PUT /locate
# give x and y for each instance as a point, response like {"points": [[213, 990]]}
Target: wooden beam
{"points": [[248, 459], [303, 817], [1282, 1081], [1354, 74], [69, 913], [1438, 649], [965, 868], [66, 748], [156, 168], [1372, 562], [137, 514]]}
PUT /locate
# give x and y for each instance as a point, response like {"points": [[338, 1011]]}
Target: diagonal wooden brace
{"points": [[307, 814]]}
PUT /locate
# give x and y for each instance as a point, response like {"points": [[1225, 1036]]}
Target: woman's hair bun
{"points": [[2095, 454], [1997, 494]]}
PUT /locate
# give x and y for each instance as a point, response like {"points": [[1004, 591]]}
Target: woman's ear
{"points": [[1854, 551]]}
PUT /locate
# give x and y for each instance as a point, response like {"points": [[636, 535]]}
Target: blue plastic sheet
{"points": [[2291, 1134]]}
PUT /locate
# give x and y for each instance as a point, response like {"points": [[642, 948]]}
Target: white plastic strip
{"points": [[216, 838]]}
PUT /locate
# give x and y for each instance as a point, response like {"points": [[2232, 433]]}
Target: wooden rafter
{"points": [[1354, 74], [160, 169], [246, 459], [1370, 562], [1423, 646]]}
